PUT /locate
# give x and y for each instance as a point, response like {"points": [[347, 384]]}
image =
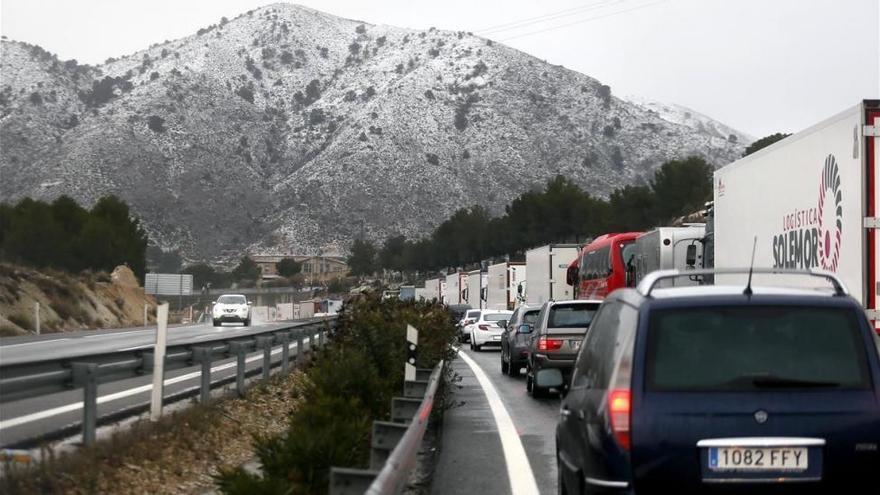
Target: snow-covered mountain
{"points": [[287, 128]]}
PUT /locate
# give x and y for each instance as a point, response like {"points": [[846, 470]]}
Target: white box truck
{"points": [[546, 268], [807, 201], [474, 293], [666, 248], [455, 285], [503, 285]]}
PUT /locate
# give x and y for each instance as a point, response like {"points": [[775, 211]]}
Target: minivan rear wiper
{"points": [[781, 382]]}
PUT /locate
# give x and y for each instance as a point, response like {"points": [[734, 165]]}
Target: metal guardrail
{"points": [[34, 379], [395, 444]]}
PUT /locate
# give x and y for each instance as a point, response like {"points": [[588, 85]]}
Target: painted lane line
{"points": [[519, 471], [29, 418], [32, 343]]}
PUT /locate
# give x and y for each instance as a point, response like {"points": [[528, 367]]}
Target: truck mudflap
{"points": [[872, 159]]}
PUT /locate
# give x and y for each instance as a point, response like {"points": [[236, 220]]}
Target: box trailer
{"points": [[456, 283], [421, 294], [807, 201], [503, 282], [546, 267], [407, 292], [666, 248], [475, 291]]}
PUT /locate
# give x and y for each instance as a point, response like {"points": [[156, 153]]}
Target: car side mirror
{"points": [[524, 328], [691, 256], [571, 275], [519, 289]]}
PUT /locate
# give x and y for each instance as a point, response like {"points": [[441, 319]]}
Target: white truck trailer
{"points": [[808, 201], [421, 294], [434, 289], [666, 248], [455, 285], [546, 267], [474, 293], [503, 282]]}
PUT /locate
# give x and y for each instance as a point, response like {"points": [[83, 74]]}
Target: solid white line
{"points": [[32, 343], [519, 471], [29, 418]]}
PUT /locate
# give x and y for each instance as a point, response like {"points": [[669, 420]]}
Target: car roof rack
{"points": [[650, 281]]}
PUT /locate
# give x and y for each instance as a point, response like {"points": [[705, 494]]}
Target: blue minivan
{"points": [[721, 389]]}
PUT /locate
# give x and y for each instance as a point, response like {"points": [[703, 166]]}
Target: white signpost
{"points": [[159, 362]]}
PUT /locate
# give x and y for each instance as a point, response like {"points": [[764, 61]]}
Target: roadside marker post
{"points": [[412, 342], [37, 317], [158, 361]]}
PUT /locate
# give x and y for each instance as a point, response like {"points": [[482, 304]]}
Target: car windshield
{"points": [[747, 348], [496, 316], [232, 300], [571, 316]]}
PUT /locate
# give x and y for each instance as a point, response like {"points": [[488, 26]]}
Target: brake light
{"points": [[545, 344], [619, 407], [483, 327]]}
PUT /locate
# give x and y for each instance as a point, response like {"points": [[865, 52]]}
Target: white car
{"points": [[467, 321], [231, 307], [488, 328]]}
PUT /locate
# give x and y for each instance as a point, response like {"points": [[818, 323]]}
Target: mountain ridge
{"points": [[286, 129]]}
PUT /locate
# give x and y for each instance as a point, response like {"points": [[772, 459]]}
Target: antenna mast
{"points": [[748, 289]]}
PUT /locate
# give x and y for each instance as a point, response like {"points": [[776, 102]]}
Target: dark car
{"points": [[717, 389], [556, 339], [515, 338]]}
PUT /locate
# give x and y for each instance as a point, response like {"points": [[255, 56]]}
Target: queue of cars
{"points": [[679, 388]]}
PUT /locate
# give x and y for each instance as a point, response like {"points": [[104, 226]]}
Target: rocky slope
{"points": [[286, 129]]}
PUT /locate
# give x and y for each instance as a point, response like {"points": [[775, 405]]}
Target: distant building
{"points": [[319, 268]]}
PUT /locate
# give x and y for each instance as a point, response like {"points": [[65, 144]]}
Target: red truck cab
{"points": [[601, 266]]}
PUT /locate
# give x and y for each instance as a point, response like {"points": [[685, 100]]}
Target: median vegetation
{"points": [[350, 385]]}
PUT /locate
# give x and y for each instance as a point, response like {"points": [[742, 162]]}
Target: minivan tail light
{"points": [[619, 408], [545, 344]]}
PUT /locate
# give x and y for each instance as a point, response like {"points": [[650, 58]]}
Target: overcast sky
{"points": [[760, 66]]}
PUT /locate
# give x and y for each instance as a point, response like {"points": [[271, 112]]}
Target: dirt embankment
{"points": [[69, 302]]}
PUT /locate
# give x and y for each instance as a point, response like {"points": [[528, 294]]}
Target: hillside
{"points": [[286, 129], [69, 302]]}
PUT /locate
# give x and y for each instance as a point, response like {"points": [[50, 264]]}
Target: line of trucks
{"points": [[809, 201]]}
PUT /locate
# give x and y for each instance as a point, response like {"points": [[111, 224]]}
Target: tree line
{"points": [[65, 236], [560, 212]]}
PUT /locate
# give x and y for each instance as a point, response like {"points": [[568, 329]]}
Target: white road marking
{"points": [[519, 471], [32, 343], [29, 418]]}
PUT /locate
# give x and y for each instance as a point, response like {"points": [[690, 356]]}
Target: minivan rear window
{"points": [[749, 348], [571, 315]]}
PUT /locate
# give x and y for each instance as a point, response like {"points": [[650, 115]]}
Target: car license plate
{"points": [[575, 344], [758, 458]]}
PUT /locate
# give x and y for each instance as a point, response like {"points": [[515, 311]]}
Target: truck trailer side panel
{"points": [[546, 267], [807, 201]]}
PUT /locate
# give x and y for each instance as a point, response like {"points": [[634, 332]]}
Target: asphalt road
{"points": [[474, 457], [25, 422]]}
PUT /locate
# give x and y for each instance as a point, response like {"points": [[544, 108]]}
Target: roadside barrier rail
{"points": [[395, 444], [27, 380]]}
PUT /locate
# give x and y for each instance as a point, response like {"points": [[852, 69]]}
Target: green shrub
{"points": [[350, 385]]}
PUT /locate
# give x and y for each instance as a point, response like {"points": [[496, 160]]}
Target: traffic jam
{"points": [[738, 354]]}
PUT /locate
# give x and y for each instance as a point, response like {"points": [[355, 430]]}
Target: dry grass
{"points": [[177, 455]]}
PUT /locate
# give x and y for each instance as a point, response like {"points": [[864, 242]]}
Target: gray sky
{"points": [[760, 66]]}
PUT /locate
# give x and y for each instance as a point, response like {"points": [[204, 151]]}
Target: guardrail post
{"points": [[346, 481], [300, 348], [202, 354], [265, 343], [85, 375], [385, 437], [240, 351], [284, 338]]}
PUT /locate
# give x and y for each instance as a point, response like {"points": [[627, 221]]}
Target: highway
{"points": [[26, 422], [482, 450]]}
